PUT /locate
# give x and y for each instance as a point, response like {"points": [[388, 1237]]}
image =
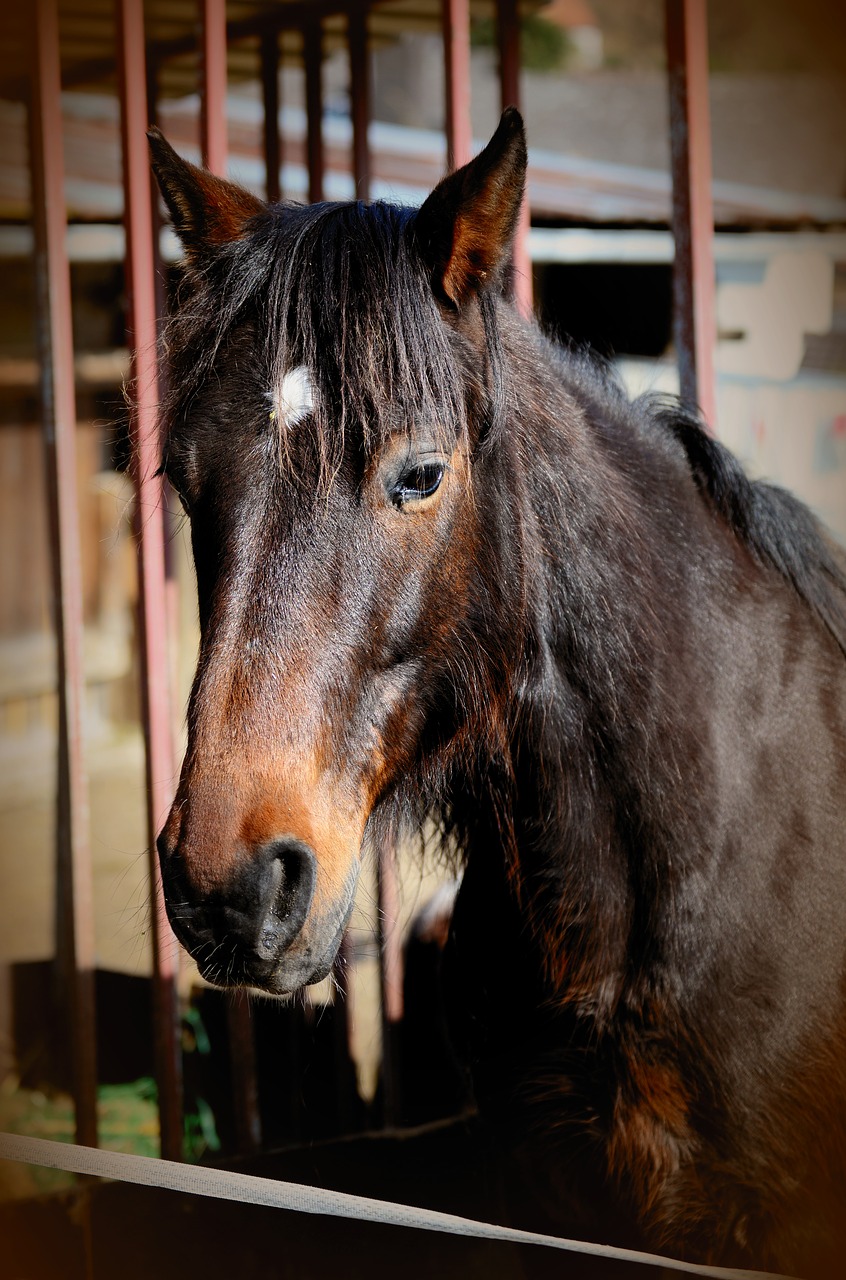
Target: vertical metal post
{"points": [[140, 272], [270, 99], [214, 146], [313, 59], [213, 140], [75, 940], [359, 99], [242, 1058], [459, 132], [508, 40], [391, 974], [694, 323]]}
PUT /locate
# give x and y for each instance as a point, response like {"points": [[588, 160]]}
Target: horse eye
{"points": [[417, 482]]}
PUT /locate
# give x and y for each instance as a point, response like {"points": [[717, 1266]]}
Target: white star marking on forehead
{"points": [[293, 399]]}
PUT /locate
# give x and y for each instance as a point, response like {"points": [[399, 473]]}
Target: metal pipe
{"points": [[158, 734], [359, 99], [456, 31], [694, 322], [313, 60], [213, 140], [508, 42], [75, 899], [391, 976], [269, 49]]}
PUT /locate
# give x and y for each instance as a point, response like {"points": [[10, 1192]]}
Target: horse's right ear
{"points": [[206, 211], [465, 229]]}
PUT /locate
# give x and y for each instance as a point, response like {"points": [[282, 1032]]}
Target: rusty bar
{"points": [[508, 42], [391, 975], [269, 54], [149, 497], [242, 1059], [214, 147], [313, 61], [455, 16], [213, 139], [75, 905], [359, 99], [694, 324], [343, 1015]]}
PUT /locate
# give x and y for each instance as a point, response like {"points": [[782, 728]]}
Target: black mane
{"points": [[776, 526]]}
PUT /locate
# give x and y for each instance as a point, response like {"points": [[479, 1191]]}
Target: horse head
{"points": [[333, 393]]}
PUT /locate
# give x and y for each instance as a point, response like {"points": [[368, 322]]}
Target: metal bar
{"points": [[140, 273], [359, 100], [269, 51], [694, 324], [75, 919], [284, 17], [391, 976], [313, 60], [214, 147], [456, 29], [342, 1023], [213, 139], [508, 41], [242, 1059]]}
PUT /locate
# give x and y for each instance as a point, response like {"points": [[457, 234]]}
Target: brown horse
{"points": [[446, 568]]}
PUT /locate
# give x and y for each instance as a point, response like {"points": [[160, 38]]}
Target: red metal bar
{"points": [[213, 139], [456, 29], [269, 48], [75, 909], [140, 271], [694, 323], [359, 99], [242, 1059], [508, 40], [313, 60], [391, 975]]}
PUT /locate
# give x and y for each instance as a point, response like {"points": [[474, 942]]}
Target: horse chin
{"points": [[296, 972]]}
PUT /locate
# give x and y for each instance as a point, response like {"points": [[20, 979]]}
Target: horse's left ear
{"points": [[206, 210], [465, 228]]}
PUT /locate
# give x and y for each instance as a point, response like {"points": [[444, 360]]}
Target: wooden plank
{"points": [[75, 906]]}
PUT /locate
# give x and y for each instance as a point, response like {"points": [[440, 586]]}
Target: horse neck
{"points": [[611, 704]]}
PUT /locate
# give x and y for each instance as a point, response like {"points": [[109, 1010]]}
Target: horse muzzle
{"points": [[258, 929]]}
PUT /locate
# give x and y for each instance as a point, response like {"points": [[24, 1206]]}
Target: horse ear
{"points": [[466, 226], [206, 210]]}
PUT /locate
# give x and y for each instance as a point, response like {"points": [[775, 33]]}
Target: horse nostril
{"points": [[294, 875], [264, 907]]}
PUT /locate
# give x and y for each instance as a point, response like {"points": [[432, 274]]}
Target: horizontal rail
{"points": [[224, 1184]]}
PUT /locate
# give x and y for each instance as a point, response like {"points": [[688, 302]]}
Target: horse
{"points": [[448, 570]]}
